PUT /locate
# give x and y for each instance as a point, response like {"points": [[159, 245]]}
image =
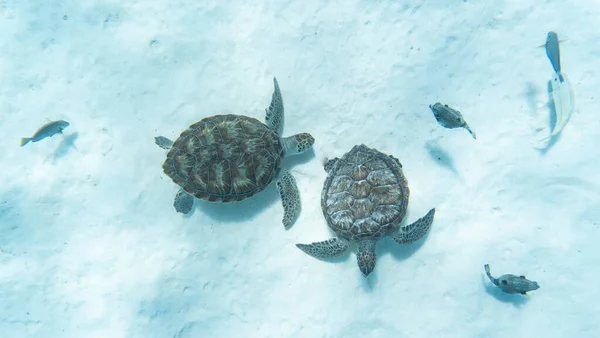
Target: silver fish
{"points": [[512, 283], [553, 51], [47, 130], [449, 118]]}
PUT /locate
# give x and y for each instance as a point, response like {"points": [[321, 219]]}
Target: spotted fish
{"points": [[449, 117], [511, 283]]}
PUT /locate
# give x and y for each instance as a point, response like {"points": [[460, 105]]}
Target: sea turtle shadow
{"points": [[531, 93], [516, 299], [246, 209], [240, 211], [367, 283], [401, 252], [292, 161], [370, 282], [384, 246]]}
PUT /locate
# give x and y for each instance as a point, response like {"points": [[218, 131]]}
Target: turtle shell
{"points": [[224, 158], [365, 194]]}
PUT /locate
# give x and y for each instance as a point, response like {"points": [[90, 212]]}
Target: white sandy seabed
{"points": [[90, 245]]}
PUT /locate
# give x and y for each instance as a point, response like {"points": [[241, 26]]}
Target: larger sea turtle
{"points": [[364, 199], [228, 158]]}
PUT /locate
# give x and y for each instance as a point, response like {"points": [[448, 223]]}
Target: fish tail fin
{"points": [[25, 140], [489, 275], [470, 131]]}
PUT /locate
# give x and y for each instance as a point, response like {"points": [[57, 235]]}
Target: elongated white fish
{"points": [[564, 105], [562, 91], [564, 101], [47, 130]]}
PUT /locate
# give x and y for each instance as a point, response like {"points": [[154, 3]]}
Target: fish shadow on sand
{"points": [[290, 162], [551, 120], [516, 299], [440, 156], [245, 210], [531, 93], [67, 143]]}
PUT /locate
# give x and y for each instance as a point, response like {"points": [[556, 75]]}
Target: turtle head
{"points": [[297, 144], [366, 256], [366, 262]]}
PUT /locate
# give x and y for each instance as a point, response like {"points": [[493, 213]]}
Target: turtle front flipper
{"points": [[183, 202], [274, 114], [412, 232], [163, 142], [326, 249], [290, 197]]}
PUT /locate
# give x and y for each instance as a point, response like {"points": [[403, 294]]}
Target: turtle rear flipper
{"points": [[325, 249], [163, 142], [183, 202], [414, 231]]}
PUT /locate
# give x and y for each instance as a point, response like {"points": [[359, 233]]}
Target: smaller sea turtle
{"points": [[228, 158], [364, 199], [512, 283], [449, 117]]}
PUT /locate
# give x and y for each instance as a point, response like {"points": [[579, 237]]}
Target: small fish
{"points": [[553, 51], [564, 101], [511, 283], [449, 118], [47, 130]]}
